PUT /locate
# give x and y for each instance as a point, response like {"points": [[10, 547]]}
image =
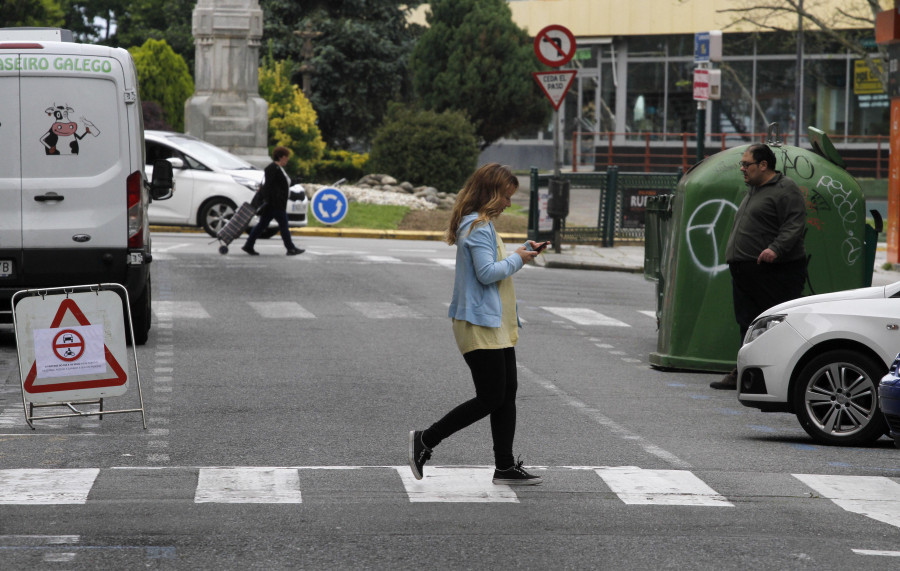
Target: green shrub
{"points": [[292, 119], [337, 164], [163, 77], [424, 147]]}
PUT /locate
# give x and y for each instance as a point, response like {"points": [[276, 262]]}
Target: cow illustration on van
{"points": [[63, 127]]}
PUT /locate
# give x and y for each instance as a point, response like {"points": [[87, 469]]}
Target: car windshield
{"points": [[212, 155]]}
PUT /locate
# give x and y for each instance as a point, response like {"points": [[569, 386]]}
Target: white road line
{"points": [[157, 249], [876, 552], [446, 262], [382, 310], [50, 486], [595, 415], [651, 314], [660, 487], [170, 309], [248, 486], [280, 310], [584, 316], [384, 259], [876, 497], [455, 485]]}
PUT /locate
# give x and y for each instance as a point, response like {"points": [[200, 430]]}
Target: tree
{"points": [[474, 58], [292, 119], [425, 147], [360, 60], [31, 13], [163, 77], [837, 26], [129, 23]]}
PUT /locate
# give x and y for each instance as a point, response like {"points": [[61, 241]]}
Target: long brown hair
{"points": [[484, 193]]}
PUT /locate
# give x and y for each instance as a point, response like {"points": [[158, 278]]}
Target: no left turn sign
{"points": [[554, 45]]}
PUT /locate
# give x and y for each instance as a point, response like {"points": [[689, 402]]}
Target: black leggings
{"points": [[494, 375]]}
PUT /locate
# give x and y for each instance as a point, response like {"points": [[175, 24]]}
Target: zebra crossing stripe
{"points": [[280, 310], [384, 259], [383, 310], [445, 262], [248, 486], [876, 497], [584, 316], [660, 487], [46, 486], [455, 485], [170, 309]]}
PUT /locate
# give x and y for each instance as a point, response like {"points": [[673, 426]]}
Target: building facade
{"points": [[635, 63]]}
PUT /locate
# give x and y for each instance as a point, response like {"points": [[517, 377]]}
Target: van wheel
{"points": [[140, 317], [214, 214], [836, 398]]}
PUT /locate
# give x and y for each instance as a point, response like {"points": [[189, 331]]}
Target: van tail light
{"points": [[135, 211]]}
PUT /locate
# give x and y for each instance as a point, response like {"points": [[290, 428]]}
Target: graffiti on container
{"points": [[845, 206], [710, 221], [799, 164]]}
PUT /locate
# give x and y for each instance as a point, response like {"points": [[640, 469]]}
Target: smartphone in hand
{"points": [[541, 246]]}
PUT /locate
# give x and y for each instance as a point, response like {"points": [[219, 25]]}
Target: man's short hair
{"points": [[762, 152], [279, 152]]}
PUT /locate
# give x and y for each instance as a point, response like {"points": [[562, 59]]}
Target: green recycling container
{"points": [[697, 328]]}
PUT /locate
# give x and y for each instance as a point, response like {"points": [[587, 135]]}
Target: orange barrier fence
{"points": [[864, 155]]}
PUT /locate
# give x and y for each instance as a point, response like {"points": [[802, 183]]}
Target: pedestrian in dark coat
{"points": [[275, 192]]}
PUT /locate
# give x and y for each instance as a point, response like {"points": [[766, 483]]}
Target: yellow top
{"points": [[470, 337]]}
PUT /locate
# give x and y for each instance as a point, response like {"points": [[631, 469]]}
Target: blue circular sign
{"points": [[329, 205]]}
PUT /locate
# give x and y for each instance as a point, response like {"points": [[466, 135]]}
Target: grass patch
{"points": [[368, 216]]}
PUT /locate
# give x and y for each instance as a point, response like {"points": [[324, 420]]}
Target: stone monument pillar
{"points": [[226, 109]]}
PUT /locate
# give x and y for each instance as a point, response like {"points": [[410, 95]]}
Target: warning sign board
{"points": [[71, 346], [555, 84]]}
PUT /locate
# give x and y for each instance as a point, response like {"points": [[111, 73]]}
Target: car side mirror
{"points": [[162, 185], [176, 162]]}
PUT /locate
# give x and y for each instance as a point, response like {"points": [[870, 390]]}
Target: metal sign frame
{"points": [[60, 295]]}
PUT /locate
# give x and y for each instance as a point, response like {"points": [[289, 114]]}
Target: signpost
{"points": [[555, 46], [707, 48], [555, 84], [71, 348], [329, 205]]}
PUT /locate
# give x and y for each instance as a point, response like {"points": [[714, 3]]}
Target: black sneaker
{"points": [[295, 251], [250, 251], [418, 453], [516, 476]]}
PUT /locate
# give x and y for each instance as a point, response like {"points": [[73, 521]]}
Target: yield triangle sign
{"points": [[119, 378], [555, 84]]}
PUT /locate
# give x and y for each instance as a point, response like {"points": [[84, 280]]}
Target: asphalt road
{"points": [[279, 392]]}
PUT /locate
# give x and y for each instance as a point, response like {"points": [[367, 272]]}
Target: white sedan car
{"points": [[210, 184], [821, 357]]}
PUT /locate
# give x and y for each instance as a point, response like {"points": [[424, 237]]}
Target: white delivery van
{"points": [[73, 194]]}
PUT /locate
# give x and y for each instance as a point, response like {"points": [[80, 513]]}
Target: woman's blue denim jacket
{"points": [[476, 297]]}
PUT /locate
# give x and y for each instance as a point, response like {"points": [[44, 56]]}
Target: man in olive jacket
{"points": [[275, 191], [765, 251]]}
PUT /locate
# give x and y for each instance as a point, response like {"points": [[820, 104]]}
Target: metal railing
{"points": [[865, 155]]}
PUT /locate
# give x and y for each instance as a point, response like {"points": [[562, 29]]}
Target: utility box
{"points": [[558, 202], [697, 328]]}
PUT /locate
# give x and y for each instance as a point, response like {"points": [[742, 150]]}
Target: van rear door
{"points": [[10, 172], [75, 164]]}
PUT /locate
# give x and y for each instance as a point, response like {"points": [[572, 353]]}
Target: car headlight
{"points": [[251, 184], [762, 325]]}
